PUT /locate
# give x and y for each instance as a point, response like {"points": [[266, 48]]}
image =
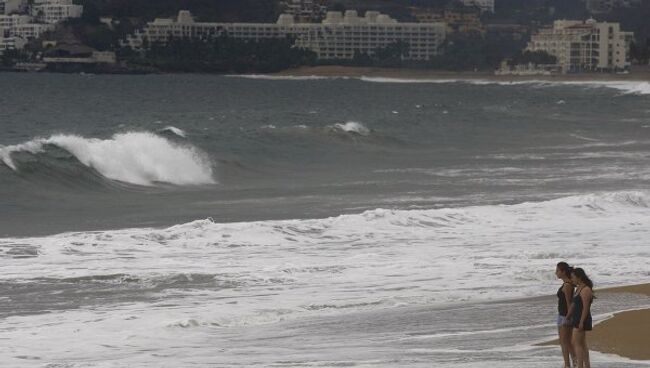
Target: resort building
{"points": [[484, 5], [464, 21], [585, 46], [17, 25], [605, 6], [55, 11], [7, 22], [338, 36], [10, 43], [30, 31], [16, 30], [11, 6], [305, 11]]}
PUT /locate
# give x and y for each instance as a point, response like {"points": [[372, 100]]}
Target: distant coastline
{"points": [[638, 73]]}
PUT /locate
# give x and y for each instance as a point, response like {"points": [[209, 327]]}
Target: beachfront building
{"points": [[463, 21], [7, 22], [338, 36], [16, 30], [11, 6], [30, 31], [55, 11], [305, 11], [18, 25], [10, 43], [605, 6], [585, 46], [484, 5]]}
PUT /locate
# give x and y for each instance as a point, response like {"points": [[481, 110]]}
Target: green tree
{"points": [[535, 57]]}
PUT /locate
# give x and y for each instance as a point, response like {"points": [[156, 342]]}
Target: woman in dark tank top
{"points": [[564, 295], [580, 312]]}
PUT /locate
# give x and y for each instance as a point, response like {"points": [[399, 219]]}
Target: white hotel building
{"points": [[18, 29], [339, 36], [55, 11], [484, 5], [585, 46], [11, 6]]}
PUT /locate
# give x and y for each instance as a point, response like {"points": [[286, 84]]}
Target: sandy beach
{"points": [[638, 73], [626, 333]]}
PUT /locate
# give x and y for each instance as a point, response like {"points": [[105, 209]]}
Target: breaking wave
{"points": [[138, 158], [173, 130], [282, 77], [381, 258], [352, 127], [627, 87]]}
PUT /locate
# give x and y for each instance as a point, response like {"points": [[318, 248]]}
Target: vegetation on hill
{"points": [[205, 10], [475, 51], [223, 55]]}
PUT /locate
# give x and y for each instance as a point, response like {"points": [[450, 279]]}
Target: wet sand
{"points": [[626, 334], [639, 73]]}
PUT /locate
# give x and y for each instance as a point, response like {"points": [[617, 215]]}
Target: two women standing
{"points": [[574, 314]]}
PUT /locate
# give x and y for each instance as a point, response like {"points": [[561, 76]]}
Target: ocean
{"points": [[255, 221]]}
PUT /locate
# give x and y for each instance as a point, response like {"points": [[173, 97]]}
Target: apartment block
{"points": [[605, 6], [305, 11], [11, 6], [585, 46], [338, 36], [55, 11], [484, 5]]}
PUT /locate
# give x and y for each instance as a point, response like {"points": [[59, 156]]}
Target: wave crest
{"points": [[352, 127], [139, 158], [627, 87], [173, 130]]}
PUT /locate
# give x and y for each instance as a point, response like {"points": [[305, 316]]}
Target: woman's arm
{"points": [[568, 296], [585, 295]]}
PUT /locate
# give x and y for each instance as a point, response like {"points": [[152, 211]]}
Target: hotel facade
{"points": [[338, 36], [587, 46], [16, 30], [11, 6], [484, 5], [55, 11]]}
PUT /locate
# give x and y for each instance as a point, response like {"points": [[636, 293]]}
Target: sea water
{"points": [[189, 220]]}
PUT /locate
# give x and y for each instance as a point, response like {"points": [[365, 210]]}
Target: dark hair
{"points": [[565, 268], [580, 274]]}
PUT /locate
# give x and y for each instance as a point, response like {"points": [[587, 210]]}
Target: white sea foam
{"points": [[375, 259], [282, 77], [177, 131], [353, 127], [628, 87], [139, 158], [584, 138], [272, 271]]}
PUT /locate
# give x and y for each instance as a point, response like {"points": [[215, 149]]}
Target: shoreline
{"points": [[638, 74], [625, 333]]}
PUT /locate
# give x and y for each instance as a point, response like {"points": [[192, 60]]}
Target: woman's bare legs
{"points": [[585, 353], [580, 346], [564, 332]]}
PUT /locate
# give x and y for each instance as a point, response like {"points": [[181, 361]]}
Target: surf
{"points": [[138, 158]]}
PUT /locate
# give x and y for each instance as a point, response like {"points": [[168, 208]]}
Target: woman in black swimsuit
{"points": [[564, 296], [580, 312]]}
